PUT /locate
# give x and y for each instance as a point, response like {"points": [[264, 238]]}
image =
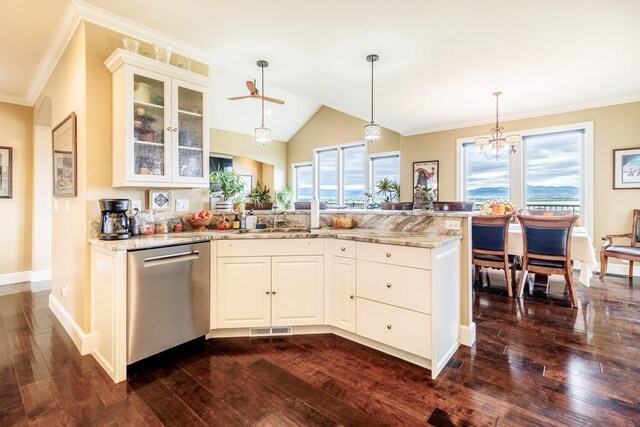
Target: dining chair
{"points": [[629, 252], [548, 212], [546, 243], [489, 243]]}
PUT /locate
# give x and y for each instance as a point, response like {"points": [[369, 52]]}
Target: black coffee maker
{"points": [[114, 224]]}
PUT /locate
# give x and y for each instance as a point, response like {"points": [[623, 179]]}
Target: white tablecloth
{"points": [[581, 249]]}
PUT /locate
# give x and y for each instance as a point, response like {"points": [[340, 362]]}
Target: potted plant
{"points": [[260, 197], [390, 191], [284, 197], [225, 186]]}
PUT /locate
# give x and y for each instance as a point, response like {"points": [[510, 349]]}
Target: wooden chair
{"points": [[546, 243], [489, 236], [548, 212], [630, 252]]}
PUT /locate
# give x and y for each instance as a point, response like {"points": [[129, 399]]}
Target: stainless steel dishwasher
{"points": [[167, 298]]}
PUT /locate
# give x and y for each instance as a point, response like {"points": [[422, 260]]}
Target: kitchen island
{"points": [[396, 291]]}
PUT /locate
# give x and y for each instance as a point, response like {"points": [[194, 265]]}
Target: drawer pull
{"points": [[388, 255], [388, 285], [352, 296], [389, 326], [343, 249]]}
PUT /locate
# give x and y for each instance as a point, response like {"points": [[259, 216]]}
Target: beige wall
{"points": [[332, 127], [616, 126], [15, 227], [236, 144]]}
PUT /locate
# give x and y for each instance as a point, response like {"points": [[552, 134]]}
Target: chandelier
{"points": [[262, 134], [497, 147], [372, 130]]}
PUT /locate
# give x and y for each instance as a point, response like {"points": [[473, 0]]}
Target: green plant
{"points": [[388, 189], [227, 184], [284, 197], [260, 194]]}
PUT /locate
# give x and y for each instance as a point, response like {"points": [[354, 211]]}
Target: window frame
{"points": [[339, 169], [370, 160], [294, 180], [517, 167]]}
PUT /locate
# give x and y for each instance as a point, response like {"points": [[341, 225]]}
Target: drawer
{"points": [[392, 254], [270, 247], [403, 287], [397, 327], [340, 247]]}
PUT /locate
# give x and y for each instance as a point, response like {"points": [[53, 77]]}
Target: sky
{"points": [[551, 160]]}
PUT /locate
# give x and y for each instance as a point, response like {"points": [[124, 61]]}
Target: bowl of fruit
{"points": [[199, 221]]}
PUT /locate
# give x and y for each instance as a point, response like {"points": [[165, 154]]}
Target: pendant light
{"points": [[262, 134], [496, 146], [372, 130]]}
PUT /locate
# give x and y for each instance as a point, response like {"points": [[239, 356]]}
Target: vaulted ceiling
{"points": [[439, 61]]}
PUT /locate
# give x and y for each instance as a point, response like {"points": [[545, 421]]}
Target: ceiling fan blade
{"points": [[234, 98], [251, 86], [277, 101]]}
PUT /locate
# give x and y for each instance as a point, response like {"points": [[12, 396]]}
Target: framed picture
{"points": [[248, 184], [6, 172], [160, 200], [64, 158], [425, 174], [626, 168]]}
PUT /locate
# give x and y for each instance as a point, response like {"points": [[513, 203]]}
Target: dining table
{"points": [[581, 249]]}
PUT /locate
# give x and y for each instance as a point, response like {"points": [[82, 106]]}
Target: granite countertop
{"points": [[420, 240]]}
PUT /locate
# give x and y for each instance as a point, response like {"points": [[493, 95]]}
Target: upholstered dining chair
{"points": [[489, 236], [546, 243], [631, 252]]}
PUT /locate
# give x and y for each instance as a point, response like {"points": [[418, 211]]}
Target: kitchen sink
{"points": [[273, 230]]}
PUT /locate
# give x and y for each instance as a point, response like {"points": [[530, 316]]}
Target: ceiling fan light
{"points": [[262, 135], [372, 132]]}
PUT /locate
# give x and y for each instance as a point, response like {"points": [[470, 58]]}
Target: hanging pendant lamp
{"points": [[496, 146], [372, 130], [262, 134]]}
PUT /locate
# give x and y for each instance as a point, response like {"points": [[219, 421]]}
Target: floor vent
{"points": [[254, 332]]}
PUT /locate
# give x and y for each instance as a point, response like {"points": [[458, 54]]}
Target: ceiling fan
{"points": [[255, 93]]}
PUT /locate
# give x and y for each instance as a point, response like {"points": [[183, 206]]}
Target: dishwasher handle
{"points": [[171, 258]]}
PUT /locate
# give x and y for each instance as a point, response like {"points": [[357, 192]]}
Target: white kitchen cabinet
{"points": [[256, 290], [160, 124], [344, 288], [243, 297]]}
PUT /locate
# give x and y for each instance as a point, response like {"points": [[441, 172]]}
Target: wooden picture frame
{"points": [[427, 174], [626, 168], [65, 169], [160, 200], [6, 172]]}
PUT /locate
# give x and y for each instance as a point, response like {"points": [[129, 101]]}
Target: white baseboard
{"points": [[621, 269], [80, 339], [24, 276], [468, 334]]}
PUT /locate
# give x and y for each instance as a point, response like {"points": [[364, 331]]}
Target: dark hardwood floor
{"points": [[536, 362]]}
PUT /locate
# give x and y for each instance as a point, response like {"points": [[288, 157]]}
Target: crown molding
{"points": [[568, 108], [74, 13]]}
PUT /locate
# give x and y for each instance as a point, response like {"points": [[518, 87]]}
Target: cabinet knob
{"points": [[169, 128], [388, 285], [388, 255], [352, 296], [343, 249], [267, 292], [389, 326], [273, 292]]}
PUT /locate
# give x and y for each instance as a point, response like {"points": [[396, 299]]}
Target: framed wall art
{"points": [[425, 174], [6, 172], [248, 184], [64, 158], [626, 168], [160, 200]]}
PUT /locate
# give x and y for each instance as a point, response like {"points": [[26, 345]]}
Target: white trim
{"points": [[39, 276], [468, 334], [80, 339], [620, 269], [24, 276], [517, 162]]}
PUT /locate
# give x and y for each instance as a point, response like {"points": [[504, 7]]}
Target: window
{"points": [[354, 175], [552, 169], [327, 161], [385, 165], [302, 182]]}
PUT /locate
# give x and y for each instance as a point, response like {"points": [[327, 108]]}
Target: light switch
{"points": [[182, 205], [452, 224]]}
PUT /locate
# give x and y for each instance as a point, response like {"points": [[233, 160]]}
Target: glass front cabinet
{"points": [[160, 127]]}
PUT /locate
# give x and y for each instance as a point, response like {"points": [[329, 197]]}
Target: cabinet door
{"points": [[148, 124], [244, 292], [190, 133], [344, 292], [297, 292]]}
